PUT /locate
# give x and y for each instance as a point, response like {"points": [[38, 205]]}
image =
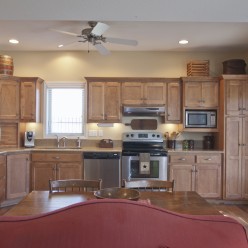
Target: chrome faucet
{"points": [[64, 138]]}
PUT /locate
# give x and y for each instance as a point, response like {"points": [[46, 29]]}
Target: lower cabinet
{"points": [[18, 174], [197, 172], [2, 177], [55, 166]]}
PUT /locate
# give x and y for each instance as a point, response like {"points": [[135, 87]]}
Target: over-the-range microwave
{"points": [[200, 118]]}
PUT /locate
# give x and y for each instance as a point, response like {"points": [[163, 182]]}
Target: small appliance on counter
{"points": [[29, 139]]}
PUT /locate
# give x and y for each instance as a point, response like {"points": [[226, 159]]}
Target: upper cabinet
{"points": [[9, 98], [104, 102], [236, 94], [30, 99], [137, 93], [174, 102], [200, 92]]}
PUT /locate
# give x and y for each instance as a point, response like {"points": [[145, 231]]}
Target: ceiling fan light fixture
{"points": [[183, 42], [13, 41]]}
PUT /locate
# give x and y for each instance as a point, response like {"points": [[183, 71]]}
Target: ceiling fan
{"points": [[94, 35]]}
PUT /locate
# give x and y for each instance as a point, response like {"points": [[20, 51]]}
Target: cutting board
{"points": [[143, 124]]}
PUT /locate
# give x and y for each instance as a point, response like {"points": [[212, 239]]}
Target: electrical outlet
{"points": [[100, 133], [92, 133]]}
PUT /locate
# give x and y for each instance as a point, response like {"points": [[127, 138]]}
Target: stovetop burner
{"points": [[145, 142]]}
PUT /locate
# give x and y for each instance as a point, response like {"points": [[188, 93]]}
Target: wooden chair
{"points": [[152, 185], [70, 185]]}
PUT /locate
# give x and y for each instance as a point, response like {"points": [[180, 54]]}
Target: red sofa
{"points": [[119, 224]]}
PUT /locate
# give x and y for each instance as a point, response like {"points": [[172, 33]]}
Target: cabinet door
{"points": [[210, 94], [234, 93], [233, 157], [208, 180], [155, 93], [18, 173], [173, 103], [132, 93], [245, 97], [9, 134], [193, 94], [245, 157], [9, 100], [112, 102], [28, 100], [95, 101], [41, 173], [69, 171], [2, 177], [183, 175]]}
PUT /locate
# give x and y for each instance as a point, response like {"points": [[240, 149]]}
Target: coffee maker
{"points": [[29, 139]]}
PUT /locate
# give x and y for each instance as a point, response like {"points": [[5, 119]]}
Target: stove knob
{"points": [[158, 136], [132, 135], [153, 135], [127, 135]]}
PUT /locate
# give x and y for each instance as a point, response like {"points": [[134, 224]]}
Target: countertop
{"points": [[55, 149], [92, 149]]}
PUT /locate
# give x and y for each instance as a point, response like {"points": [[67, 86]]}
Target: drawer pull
{"points": [[182, 159], [208, 159], [56, 157]]}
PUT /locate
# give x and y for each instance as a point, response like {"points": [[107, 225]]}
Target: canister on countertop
{"points": [[208, 142]]}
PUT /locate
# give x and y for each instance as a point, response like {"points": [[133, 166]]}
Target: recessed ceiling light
{"points": [[13, 41], [183, 42], [60, 45]]}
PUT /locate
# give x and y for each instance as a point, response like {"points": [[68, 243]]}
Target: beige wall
{"points": [[65, 66]]}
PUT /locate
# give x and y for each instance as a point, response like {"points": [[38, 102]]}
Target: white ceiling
{"points": [[157, 25]]}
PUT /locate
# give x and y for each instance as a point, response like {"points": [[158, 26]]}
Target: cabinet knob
{"points": [[208, 159], [56, 157]]}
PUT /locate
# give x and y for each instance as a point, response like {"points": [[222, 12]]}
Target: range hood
{"points": [[145, 110]]}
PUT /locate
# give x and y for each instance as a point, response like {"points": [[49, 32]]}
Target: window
{"points": [[65, 108]]}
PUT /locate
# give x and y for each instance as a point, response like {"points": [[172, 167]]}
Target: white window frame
{"points": [[69, 85]]}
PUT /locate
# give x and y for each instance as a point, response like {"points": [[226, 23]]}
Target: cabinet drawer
{"points": [[55, 157], [182, 158], [207, 159]]}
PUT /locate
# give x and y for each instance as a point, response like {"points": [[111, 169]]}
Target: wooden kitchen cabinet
{"points": [[2, 177], [18, 175], [236, 94], [200, 92], [200, 173], [174, 106], [9, 98], [55, 166], [137, 93], [236, 158], [104, 102], [9, 134], [30, 99], [233, 136]]}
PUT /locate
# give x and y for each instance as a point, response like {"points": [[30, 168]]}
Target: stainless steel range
{"points": [[143, 156]]}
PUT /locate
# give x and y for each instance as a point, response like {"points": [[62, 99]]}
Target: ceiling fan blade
{"points": [[64, 32], [121, 41], [101, 49], [99, 29]]}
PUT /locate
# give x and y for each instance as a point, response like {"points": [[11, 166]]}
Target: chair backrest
{"points": [[69, 185], [151, 185]]}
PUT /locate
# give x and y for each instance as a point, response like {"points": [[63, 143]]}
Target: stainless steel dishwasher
{"points": [[103, 165]]}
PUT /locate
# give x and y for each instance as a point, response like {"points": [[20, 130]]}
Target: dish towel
{"points": [[144, 163]]}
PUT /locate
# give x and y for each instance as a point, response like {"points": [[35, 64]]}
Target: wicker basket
{"points": [[198, 68]]}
